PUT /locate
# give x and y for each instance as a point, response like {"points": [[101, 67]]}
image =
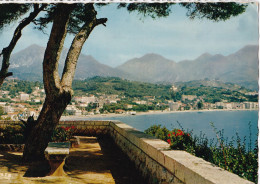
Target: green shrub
{"points": [[157, 131], [12, 134], [223, 153], [62, 134], [179, 140]]}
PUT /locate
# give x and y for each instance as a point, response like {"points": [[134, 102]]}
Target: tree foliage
{"points": [[214, 11], [12, 12]]}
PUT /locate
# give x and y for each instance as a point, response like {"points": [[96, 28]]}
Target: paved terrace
{"points": [[98, 160]]}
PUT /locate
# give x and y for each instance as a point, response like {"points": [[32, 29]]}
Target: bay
{"points": [[231, 122]]}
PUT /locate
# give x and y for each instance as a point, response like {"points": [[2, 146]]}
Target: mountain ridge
{"points": [[240, 67]]}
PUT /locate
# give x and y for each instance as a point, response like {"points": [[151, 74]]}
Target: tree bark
{"points": [[6, 52], [58, 91], [56, 98]]}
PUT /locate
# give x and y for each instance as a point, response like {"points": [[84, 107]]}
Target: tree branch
{"points": [[75, 49], [6, 52], [101, 21], [53, 51]]}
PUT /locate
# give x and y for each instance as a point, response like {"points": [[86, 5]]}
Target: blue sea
{"points": [[231, 122]]}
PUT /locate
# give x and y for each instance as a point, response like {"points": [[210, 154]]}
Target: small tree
{"points": [[80, 20], [200, 105]]}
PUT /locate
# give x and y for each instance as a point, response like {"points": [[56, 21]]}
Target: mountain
{"points": [[240, 67], [27, 65], [149, 68]]}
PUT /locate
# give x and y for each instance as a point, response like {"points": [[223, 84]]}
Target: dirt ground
{"points": [[96, 160]]}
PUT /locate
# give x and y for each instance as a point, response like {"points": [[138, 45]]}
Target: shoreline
{"points": [[64, 118]]}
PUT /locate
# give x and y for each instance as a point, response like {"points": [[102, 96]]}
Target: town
{"points": [[20, 105]]}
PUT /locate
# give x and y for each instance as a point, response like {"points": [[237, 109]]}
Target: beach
{"points": [[63, 118]]}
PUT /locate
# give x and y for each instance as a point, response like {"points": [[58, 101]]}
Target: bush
{"points": [[62, 134], [157, 131], [12, 134], [16, 134], [223, 153]]}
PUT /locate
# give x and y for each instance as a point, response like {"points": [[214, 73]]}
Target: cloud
{"points": [[175, 37]]}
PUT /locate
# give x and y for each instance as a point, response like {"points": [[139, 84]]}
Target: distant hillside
{"points": [[210, 91], [27, 65], [240, 67], [114, 85]]}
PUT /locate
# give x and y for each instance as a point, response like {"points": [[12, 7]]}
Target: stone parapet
{"points": [[153, 157]]}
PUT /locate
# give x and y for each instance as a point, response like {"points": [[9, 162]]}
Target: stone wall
{"points": [[153, 157]]}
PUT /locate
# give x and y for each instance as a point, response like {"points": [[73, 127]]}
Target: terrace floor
{"points": [[96, 160]]}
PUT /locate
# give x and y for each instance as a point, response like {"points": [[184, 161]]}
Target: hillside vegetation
{"points": [[209, 91], [114, 85]]}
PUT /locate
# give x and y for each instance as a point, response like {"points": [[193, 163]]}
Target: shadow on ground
{"points": [[103, 156], [96, 160], [12, 162], [122, 169]]}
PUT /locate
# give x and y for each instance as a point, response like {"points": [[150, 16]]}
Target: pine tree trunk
{"points": [[58, 91], [45, 124], [57, 98]]}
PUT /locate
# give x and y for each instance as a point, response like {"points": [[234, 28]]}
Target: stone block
{"points": [[106, 123], [191, 170], [81, 123], [153, 146], [61, 122], [133, 138], [169, 161], [161, 158]]}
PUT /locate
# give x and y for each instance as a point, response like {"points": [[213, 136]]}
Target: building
{"points": [[141, 102], [236, 105], [85, 99], [24, 97], [251, 105], [219, 105], [72, 110], [188, 97], [174, 106], [8, 109], [119, 111], [227, 106], [173, 88], [128, 106], [2, 103]]}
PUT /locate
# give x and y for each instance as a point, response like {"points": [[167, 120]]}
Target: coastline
{"points": [[64, 118]]}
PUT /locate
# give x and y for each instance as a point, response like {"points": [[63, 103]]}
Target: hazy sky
{"points": [[175, 37]]}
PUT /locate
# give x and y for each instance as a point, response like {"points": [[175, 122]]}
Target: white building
{"points": [[2, 103], [24, 97], [174, 88], [227, 106], [174, 106], [72, 110], [251, 105], [188, 97], [85, 99], [219, 104], [8, 109], [141, 102]]}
